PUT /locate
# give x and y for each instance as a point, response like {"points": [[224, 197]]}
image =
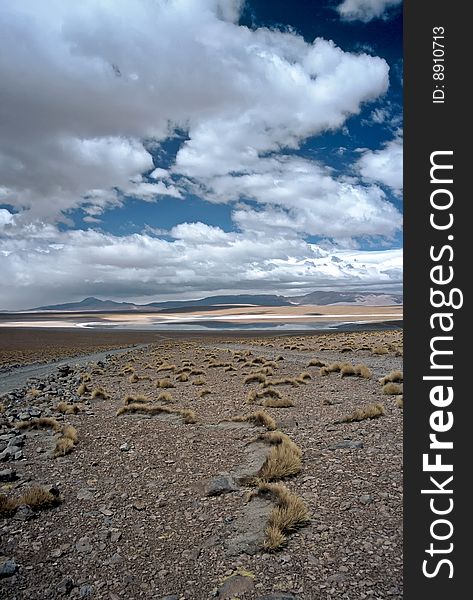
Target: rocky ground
{"points": [[157, 507]]}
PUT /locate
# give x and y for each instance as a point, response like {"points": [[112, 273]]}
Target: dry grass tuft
{"points": [[363, 371], [183, 377], [259, 418], [197, 372], [99, 393], [67, 409], [203, 393], [187, 414], [324, 372], [165, 397], [199, 381], [282, 461], [334, 367], [278, 403], [282, 381], [36, 497], [255, 378], [400, 401], [167, 368], [133, 378], [315, 362], [393, 377], [289, 514], [392, 389], [40, 423], [135, 399], [347, 371], [165, 383], [82, 389], [373, 411], [379, 350]]}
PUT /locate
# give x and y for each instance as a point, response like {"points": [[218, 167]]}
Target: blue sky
{"points": [[176, 149]]}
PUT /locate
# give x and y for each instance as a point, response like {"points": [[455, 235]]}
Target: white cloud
{"points": [[365, 10], [49, 266], [385, 165], [91, 81], [305, 197]]}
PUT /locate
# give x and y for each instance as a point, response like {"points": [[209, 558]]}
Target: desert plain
{"points": [[194, 466]]}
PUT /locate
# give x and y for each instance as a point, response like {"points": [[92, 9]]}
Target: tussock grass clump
{"points": [[279, 357], [400, 401], [259, 418], [135, 399], [187, 414], [133, 378], [252, 397], [165, 397], [34, 393], [185, 369], [199, 381], [255, 378], [67, 409], [363, 371], [82, 389], [164, 383], [40, 423], [392, 389], [379, 350], [36, 497], [203, 393], [182, 377], [282, 381], [67, 441], [304, 377], [347, 371], [324, 371], [334, 367], [282, 461], [197, 372], [315, 362], [230, 368], [289, 514], [373, 411], [167, 368], [393, 377], [278, 403], [99, 393], [268, 393]]}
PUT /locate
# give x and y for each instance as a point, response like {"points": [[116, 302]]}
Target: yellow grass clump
{"points": [[278, 403], [363, 371], [165, 383], [315, 362], [40, 423], [393, 377], [289, 514], [134, 399], [259, 418], [36, 497], [165, 397], [392, 389], [99, 393], [203, 393], [255, 378], [67, 409], [187, 414], [373, 411]]}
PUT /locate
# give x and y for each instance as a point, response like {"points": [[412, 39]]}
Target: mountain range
{"points": [[92, 304]]}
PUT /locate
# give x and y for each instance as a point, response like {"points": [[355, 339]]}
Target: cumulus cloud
{"points": [[365, 10], [86, 86], [384, 165], [50, 266]]}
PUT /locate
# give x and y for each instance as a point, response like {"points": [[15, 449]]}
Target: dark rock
{"points": [[221, 484], [65, 587], [8, 568], [346, 444], [8, 475], [235, 585], [86, 591], [24, 513], [278, 596]]}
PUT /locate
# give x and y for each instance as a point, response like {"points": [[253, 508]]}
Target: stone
{"points": [[85, 494], [8, 475], [278, 596], [86, 591], [24, 513], [235, 585], [83, 545], [365, 499], [221, 484], [8, 568], [125, 447], [346, 444], [65, 586]]}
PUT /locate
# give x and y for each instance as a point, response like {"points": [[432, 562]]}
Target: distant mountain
{"points": [[235, 300], [228, 301], [96, 305], [358, 298], [88, 304]]}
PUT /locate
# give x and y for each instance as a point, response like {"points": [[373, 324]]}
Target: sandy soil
{"points": [[135, 519]]}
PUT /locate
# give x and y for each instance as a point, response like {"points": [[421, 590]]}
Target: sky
{"points": [[173, 149]]}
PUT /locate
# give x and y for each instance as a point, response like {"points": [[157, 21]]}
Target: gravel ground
{"points": [[136, 519]]}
